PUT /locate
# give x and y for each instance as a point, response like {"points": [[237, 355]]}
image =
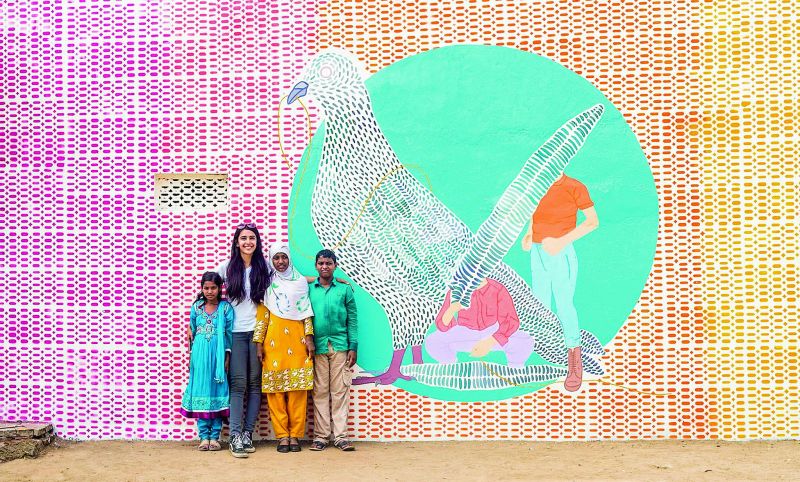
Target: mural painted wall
{"points": [[687, 288], [403, 240]]}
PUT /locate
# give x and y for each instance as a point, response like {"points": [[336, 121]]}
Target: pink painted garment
{"points": [[487, 306]]}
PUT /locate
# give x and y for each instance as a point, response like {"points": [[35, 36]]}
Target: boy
{"points": [[336, 340]]}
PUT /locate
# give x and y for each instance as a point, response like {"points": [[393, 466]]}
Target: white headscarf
{"points": [[287, 296]]}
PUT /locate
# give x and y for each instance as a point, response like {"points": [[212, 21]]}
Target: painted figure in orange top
{"points": [[554, 265]]}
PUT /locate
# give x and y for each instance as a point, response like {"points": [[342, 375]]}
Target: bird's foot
{"points": [[388, 378], [416, 352], [391, 375]]}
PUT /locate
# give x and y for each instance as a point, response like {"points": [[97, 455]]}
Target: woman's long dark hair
{"points": [[216, 279], [260, 274]]}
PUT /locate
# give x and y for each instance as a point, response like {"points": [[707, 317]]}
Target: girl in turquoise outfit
{"points": [[206, 397]]}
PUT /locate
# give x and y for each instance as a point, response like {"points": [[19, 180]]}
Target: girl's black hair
{"points": [[260, 274], [214, 278], [326, 253]]}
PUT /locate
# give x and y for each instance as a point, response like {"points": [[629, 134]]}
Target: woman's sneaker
{"points": [[247, 442], [237, 449]]}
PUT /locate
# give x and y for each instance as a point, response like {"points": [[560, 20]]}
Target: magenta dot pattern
{"points": [[97, 97]]}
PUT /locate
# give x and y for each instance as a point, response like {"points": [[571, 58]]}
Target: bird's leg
{"points": [[416, 352], [391, 375]]}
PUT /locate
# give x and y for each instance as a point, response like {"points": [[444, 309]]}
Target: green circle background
{"points": [[470, 116]]}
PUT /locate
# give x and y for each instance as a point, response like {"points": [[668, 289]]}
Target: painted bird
{"points": [[407, 249]]}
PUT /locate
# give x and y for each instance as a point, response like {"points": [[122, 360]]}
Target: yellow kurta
{"points": [[286, 366]]}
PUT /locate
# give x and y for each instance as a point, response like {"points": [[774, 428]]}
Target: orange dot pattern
{"points": [[645, 56]]}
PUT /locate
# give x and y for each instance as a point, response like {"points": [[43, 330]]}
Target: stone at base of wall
{"points": [[23, 439]]}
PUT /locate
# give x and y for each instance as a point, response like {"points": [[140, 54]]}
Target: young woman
{"points": [[286, 333], [247, 277]]}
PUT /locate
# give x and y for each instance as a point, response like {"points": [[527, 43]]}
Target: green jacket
{"points": [[335, 316]]}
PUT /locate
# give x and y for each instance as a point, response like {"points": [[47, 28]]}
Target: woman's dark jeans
{"points": [[245, 377]]}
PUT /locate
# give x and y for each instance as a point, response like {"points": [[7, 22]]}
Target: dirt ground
{"points": [[659, 460]]}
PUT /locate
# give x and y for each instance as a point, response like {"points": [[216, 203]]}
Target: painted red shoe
{"points": [[574, 370]]}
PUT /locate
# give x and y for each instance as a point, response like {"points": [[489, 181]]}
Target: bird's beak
{"points": [[299, 90]]}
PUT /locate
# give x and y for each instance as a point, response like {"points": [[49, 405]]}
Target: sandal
{"points": [[214, 446], [318, 446], [294, 444], [283, 448], [344, 445], [203, 447]]}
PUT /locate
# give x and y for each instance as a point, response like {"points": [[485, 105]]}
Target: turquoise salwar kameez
{"points": [[206, 397]]}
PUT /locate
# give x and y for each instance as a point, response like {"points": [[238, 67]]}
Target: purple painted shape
{"points": [[391, 375], [444, 346], [205, 415], [416, 353]]}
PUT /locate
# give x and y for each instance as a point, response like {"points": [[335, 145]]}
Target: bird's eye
{"points": [[325, 71]]}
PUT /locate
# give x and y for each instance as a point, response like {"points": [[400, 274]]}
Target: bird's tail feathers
{"points": [[478, 375], [591, 344]]}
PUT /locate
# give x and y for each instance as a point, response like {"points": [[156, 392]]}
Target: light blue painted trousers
{"points": [[554, 278], [209, 429]]}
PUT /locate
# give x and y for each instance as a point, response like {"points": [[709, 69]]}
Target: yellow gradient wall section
{"points": [[750, 184]]}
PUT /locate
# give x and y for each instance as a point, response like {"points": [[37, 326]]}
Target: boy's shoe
{"points": [[344, 445], [247, 442], [237, 449], [318, 446]]}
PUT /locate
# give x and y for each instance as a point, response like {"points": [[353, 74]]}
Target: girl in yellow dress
{"points": [[284, 335]]}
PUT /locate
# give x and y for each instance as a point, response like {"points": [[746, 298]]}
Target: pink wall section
{"points": [[98, 97]]}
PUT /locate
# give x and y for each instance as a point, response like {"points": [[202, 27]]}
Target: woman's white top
{"points": [[245, 310]]}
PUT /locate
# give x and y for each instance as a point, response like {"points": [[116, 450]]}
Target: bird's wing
{"points": [[411, 239], [500, 230]]}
